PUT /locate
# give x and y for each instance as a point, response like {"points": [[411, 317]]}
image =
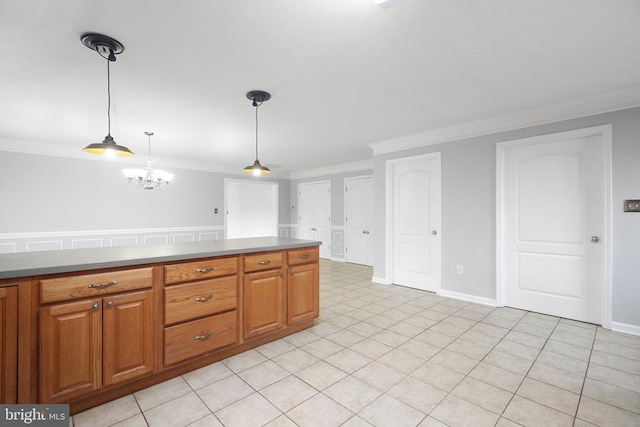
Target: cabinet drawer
{"points": [[202, 269], [199, 299], [263, 261], [199, 337], [89, 285], [302, 256]]}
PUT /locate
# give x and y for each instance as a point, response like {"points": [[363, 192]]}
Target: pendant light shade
{"points": [[108, 148], [258, 97], [107, 48]]}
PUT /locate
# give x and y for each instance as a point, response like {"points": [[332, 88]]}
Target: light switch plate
{"points": [[632, 205]]}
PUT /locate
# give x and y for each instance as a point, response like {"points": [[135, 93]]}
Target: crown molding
{"points": [[335, 169], [597, 104]]}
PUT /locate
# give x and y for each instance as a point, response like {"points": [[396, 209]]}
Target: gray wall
{"points": [[45, 193], [469, 203]]}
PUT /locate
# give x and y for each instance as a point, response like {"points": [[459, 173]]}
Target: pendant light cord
{"points": [[108, 97], [257, 131]]}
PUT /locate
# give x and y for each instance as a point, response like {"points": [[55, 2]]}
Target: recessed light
{"points": [[386, 3]]}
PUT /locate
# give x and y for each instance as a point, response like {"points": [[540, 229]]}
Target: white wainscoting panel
{"points": [[124, 241], [87, 243], [184, 237], [7, 248], [52, 245], [57, 240], [156, 240], [337, 243]]}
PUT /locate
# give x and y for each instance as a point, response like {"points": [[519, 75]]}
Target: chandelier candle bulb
{"points": [[148, 178]]}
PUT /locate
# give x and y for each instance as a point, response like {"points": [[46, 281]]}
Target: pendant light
{"points": [[107, 48], [148, 178], [258, 97]]}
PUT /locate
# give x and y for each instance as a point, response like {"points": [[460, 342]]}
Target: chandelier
{"points": [[148, 178]]}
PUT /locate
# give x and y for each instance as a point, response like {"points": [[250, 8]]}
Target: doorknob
{"points": [[595, 239], [434, 232]]}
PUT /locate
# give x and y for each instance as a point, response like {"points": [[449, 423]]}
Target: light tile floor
{"points": [[394, 356]]}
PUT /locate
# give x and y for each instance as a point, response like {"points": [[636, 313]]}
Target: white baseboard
{"points": [[380, 280], [626, 328], [468, 297]]}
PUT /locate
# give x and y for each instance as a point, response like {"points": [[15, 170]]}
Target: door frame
{"points": [[389, 220], [273, 184], [605, 133], [346, 228]]}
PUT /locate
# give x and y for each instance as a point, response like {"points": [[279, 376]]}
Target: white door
{"points": [[414, 188], [553, 224], [315, 214], [358, 220], [251, 208]]}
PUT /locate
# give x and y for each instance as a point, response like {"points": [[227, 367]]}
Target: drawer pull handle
{"points": [[203, 299], [265, 262], [205, 270], [204, 337], [305, 256], [103, 285]]}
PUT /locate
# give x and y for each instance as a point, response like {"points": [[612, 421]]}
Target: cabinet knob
{"points": [[110, 304], [281, 273], [203, 299], [203, 337], [205, 270], [95, 306], [103, 285]]}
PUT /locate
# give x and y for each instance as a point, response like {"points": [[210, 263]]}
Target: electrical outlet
{"points": [[632, 205], [459, 269]]}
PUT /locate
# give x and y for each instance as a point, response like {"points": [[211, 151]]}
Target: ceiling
{"points": [[343, 74]]}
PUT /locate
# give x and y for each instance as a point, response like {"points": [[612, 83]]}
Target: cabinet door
{"points": [[70, 350], [263, 302], [128, 336], [8, 344], [302, 293]]}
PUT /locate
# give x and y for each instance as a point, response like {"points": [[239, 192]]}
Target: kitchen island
{"points": [[85, 326]]}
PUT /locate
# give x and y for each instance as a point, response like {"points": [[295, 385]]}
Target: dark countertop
{"points": [[24, 264]]}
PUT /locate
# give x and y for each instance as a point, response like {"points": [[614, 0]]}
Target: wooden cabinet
{"points": [[88, 337], [70, 350], [190, 339], [302, 293], [302, 285], [93, 343], [8, 344], [199, 299], [263, 302], [127, 323], [200, 316]]}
